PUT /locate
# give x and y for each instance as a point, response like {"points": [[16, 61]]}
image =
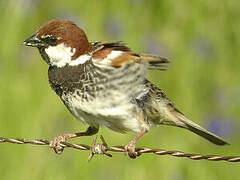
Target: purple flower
{"points": [[154, 46], [203, 48], [222, 126], [114, 27]]}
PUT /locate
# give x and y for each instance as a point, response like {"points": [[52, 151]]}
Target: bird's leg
{"points": [[130, 147], [56, 142]]}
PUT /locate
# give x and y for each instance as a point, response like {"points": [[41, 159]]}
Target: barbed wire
{"points": [[103, 148]]}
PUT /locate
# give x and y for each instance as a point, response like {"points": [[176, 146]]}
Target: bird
{"points": [[104, 84]]}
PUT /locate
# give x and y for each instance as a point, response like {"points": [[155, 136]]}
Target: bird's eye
{"points": [[50, 40]]}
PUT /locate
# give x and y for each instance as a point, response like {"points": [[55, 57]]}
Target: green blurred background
{"points": [[200, 37]]}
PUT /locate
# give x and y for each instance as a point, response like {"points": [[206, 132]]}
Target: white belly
{"points": [[116, 114]]}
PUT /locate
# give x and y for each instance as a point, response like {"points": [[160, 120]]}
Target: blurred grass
{"points": [[200, 37]]}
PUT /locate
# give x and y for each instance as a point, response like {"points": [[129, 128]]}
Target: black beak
{"points": [[34, 41]]}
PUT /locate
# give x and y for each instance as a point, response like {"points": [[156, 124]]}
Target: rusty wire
{"points": [[103, 148]]}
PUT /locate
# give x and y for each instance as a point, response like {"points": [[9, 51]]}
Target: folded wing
{"points": [[117, 54]]}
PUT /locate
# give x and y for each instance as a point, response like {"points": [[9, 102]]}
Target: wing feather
{"points": [[118, 54]]}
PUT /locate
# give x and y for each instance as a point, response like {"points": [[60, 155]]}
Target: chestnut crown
{"points": [[59, 31]]}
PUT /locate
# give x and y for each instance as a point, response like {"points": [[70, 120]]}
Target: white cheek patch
{"points": [[61, 55]]}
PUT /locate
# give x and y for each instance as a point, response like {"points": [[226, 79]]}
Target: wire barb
{"points": [[103, 148], [99, 148]]}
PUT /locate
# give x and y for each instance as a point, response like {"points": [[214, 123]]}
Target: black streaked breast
{"points": [[69, 78]]}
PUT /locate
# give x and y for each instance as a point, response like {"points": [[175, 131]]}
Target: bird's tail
{"points": [[192, 126]]}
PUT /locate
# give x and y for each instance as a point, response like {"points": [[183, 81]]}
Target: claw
{"points": [[130, 149], [56, 144]]}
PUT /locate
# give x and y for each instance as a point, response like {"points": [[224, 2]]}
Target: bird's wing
{"points": [[117, 54]]}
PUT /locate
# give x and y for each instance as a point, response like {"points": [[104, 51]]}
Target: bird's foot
{"points": [[56, 143], [130, 149]]}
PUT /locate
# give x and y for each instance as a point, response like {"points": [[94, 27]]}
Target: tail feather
{"points": [[160, 110], [156, 62], [195, 128]]}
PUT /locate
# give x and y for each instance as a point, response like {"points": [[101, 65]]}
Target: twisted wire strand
{"points": [[103, 148]]}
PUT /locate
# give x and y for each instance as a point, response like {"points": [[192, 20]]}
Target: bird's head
{"points": [[61, 42]]}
